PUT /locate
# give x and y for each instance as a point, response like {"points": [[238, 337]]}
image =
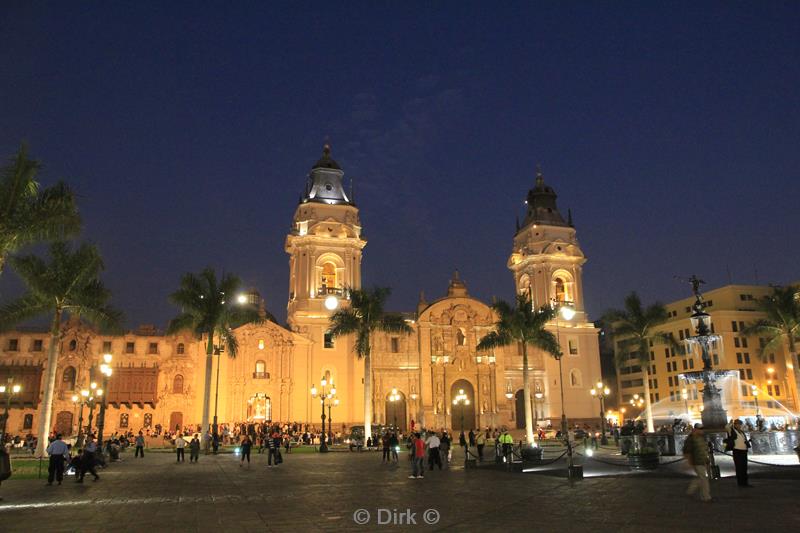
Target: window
{"points": [[744, 342], [691, 363], [749, 373], [328, 278], [561, 293], [674, 366], [152, 348], [395, 345], [739, 358], [716, 359], [670, 381], [181, 348], [73, 345], [13, 345], [655, 383], [666, 352], [261, 370], [148, 420], [328, 340], [777, 390], [652, 355], [744, 390], [712, 328], [769, 389], [573, 347], [747, 358], [734, 327], [575, 378], [709, 303], [27, 422], [668, 366], [736, 342], [680, 335], [741, 373], [741, 326], [106, 346], [128, 347], [177, 384], [657, 396], [37, 345], [68, 379], [123, 420]]}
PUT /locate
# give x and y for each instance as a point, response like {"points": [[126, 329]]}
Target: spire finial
{"points": [[539, 176], [326, 149]]}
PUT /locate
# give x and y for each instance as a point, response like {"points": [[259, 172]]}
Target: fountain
{"points": [[714, 415]]}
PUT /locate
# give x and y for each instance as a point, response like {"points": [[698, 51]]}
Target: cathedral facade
{"points": [[158, 379]]}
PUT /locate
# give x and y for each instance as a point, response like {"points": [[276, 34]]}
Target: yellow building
{"points": [[158, 379], [731, 307]]}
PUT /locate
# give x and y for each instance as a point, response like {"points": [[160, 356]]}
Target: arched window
{"points": [[181, 348], [148, 420], [461, 337], [328, 280], [123, 420], [68, 378], [575, 378], [561, 291], [524, 284], [177, 384], [73, 345], [261, 370]]}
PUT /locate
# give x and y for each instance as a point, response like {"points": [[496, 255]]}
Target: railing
{"points": [[260, 375], [324, 291]]}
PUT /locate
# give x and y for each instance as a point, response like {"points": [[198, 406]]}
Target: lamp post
{"points": [[324, 394], [106, 370], [462, 400], [537, 398], [94, 394], [600, 391], [331, 403], [10, 391], [567, 311], [755, 392]]}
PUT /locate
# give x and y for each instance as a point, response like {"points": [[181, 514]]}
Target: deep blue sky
{"points": [[671, 130]]}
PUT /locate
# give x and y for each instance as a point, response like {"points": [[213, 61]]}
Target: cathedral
{"points": [[157, 380]]}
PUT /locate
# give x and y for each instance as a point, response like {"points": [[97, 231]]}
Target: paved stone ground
{"points": [[312, 492]]}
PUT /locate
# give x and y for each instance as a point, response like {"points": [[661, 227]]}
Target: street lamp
{"points": [[462, 400], [324, 394], [537, 398], [10, 391], [600, 391], [106, 370], [394, 397], [567, 311], [755, 392]]}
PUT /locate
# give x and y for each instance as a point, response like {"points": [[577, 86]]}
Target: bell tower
{"points": [[546, 260], [324, 246]]}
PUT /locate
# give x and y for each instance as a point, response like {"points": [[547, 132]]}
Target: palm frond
{"points": [[22, 309]]}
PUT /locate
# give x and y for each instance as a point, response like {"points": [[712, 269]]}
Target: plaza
{"points": [[323, 492]]}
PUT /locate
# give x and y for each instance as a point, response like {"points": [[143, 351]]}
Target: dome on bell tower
{"points": [[325, 181], [541, 203]]}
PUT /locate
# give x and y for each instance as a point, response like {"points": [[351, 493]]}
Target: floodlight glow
{"points": [[331, 302]]}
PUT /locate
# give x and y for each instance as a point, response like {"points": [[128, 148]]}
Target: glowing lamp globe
{"points": [[331, 302]]}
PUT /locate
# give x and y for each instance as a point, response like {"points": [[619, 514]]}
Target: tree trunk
{"points": [[526, 391], [367, 395], [796, 371], [207, 384], [647, 405], [50, 385]]}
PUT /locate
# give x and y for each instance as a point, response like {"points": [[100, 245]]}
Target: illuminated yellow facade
{"points": [[159, 379]]}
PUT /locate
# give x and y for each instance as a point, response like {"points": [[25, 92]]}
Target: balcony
{"points": [[260, 375], [325, 291]]}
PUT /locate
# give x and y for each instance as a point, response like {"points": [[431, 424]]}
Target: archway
{"points": [[64, 423], [462, 414], [519, 411], [176, 421], [396, 411]]}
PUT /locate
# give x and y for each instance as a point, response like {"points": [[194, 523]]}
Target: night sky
{"points": [[672, 131]]}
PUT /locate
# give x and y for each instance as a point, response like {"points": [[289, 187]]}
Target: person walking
{"points": [[695, 450], [507, 445], [738, 443], [180, 444], [394, 444], [417, 457], [471, 439], [273, 449], [444, 447], [194, 449], [480, 441], [88, 460], [58, 452], [139, 446], [245, 449], [434, 456], [385, 444]]}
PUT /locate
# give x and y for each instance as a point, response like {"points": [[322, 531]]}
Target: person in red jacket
{"points": [[417, 457]]}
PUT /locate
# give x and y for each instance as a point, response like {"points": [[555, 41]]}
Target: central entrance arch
{"points": [[462, 415], [396, 411]]}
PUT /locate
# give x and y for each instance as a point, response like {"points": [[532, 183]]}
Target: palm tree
{"points": [[29, 214], [781, 324], [524, 325], [634, 330], [67, 285], [364, 316], [207, 309]]}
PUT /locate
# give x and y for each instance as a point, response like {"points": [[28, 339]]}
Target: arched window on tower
{"points": [[181, 348], [328, 280], [261, 370], [177, 384], [561, 290]]}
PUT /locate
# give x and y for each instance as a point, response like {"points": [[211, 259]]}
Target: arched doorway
{"points": [[259, 408], [176, 421], [519, 410], [396, 411], [64, 423], [462, 413]]}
